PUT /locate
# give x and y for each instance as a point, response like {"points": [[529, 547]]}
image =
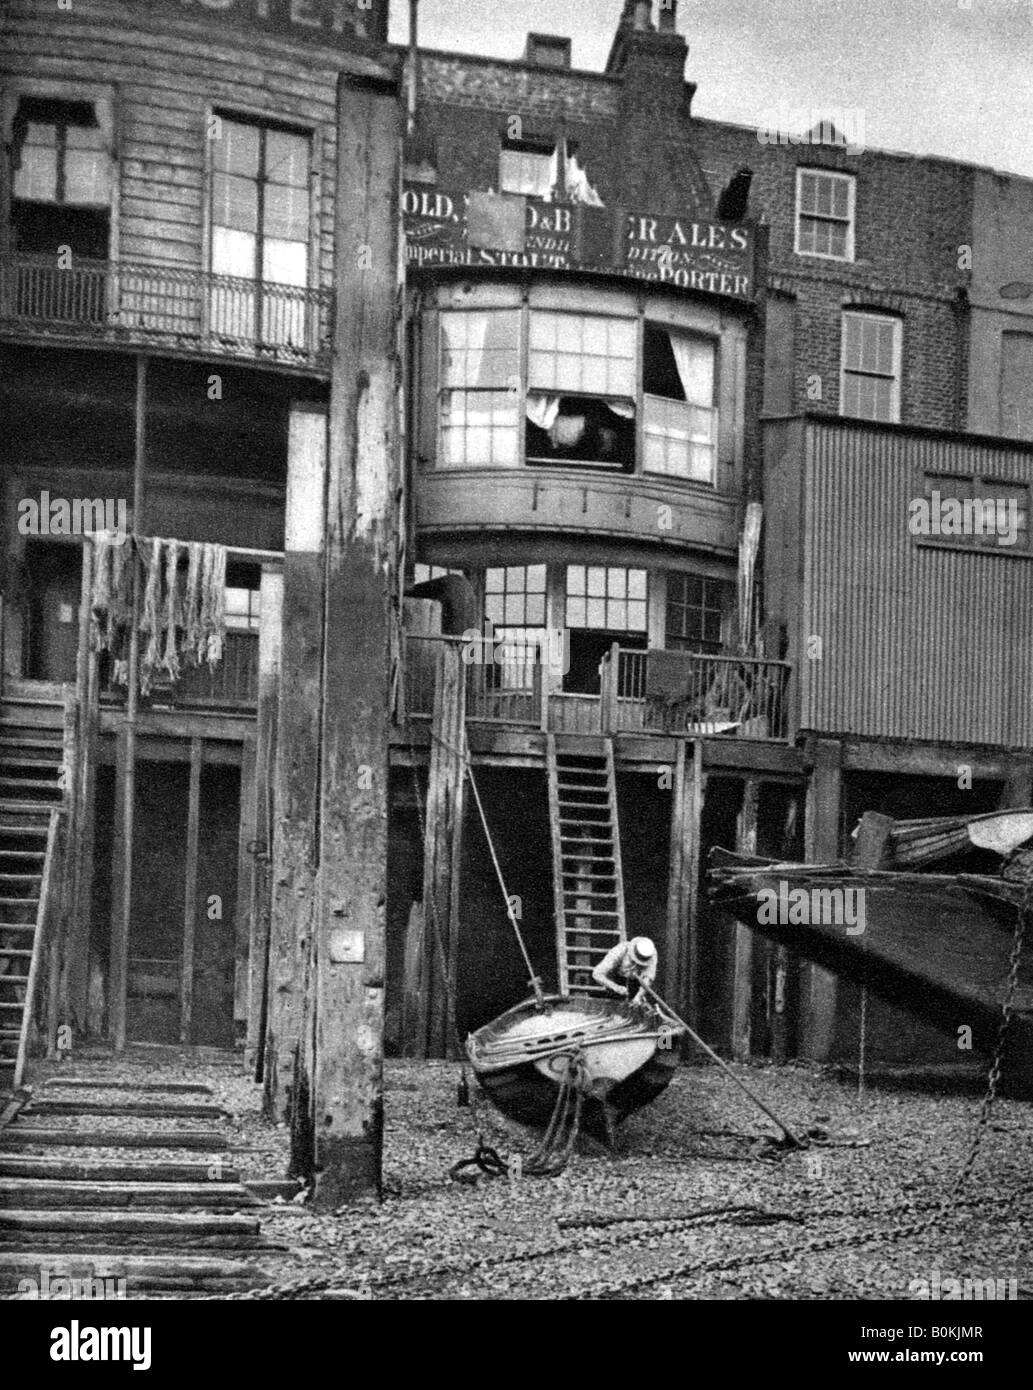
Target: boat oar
{"points": [[793, 1138]]}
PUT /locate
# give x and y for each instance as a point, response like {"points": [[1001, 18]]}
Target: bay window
{"points": [[547, 387]]}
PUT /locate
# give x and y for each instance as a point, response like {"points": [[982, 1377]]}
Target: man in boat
{"points": [[634, 961]]}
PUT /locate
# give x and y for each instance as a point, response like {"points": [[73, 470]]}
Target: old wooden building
{"points": [[663, 427]]}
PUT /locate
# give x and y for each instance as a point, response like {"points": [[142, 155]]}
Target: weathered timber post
{"points": [[742, 968], [442, 845], [125, 753], [296, 781], [260, 850], [821, 838], [347, 999], [681, 952]]}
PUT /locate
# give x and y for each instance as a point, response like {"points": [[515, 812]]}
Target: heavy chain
{"points": [[747, 1214], [721, 1264], [994, 1075]]}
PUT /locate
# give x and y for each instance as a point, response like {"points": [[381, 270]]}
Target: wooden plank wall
{"points": [[169, 72]]}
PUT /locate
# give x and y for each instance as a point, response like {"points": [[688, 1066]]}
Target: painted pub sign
{"points": [[445, 228]]}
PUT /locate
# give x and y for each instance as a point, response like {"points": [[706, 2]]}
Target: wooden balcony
{"points": [[231, 685], [648, 692], [185, 312]]}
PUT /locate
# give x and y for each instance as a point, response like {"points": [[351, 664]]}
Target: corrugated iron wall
{"points": [[917, 641]]}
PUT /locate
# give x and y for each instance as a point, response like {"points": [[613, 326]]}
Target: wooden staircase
{"points": [[586, 859], [32, 798]]}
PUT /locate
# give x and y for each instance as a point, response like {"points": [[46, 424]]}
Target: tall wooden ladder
{"points": [[586, 860], [32, 797]]}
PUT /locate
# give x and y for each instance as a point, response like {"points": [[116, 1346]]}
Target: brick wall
{"points": [[642, 147]]}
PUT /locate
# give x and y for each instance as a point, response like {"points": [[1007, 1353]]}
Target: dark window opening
{"points": [[583, 430], [587, 649], [697, 608], [61, 177]]}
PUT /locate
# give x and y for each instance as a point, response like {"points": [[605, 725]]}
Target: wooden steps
{"points": [[202, 1140], [155, 1109], [167, 1227], [15, 1165], [59, 1193]]}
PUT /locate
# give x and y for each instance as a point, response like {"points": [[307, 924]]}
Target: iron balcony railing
{"points": [[183, 310], [647, 691]]}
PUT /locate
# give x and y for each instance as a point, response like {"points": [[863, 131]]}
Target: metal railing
{"points": [[646, 691], [141, 304], [693, 693]]}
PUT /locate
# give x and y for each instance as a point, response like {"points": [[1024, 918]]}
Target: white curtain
{"points": [[542, 409], [465, 336], [622, 408], [579, 190], [695, 361]]}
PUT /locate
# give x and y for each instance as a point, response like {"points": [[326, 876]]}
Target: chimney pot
{"points": [[642, 10], [668, 16]]}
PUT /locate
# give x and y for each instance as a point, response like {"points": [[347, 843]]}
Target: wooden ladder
{"points": [[588, 888]]}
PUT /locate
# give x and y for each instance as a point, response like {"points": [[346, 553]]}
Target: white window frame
{"points": [[513, 390], [898, 338], [849, 220]]}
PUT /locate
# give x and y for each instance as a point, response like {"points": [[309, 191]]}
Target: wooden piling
{"points": [[296, 795], [822, 844], [742, 966], [362, 542]]}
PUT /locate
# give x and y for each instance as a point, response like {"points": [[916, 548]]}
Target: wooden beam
{"points": [[269, 649], [247, 866], [296, 781], [442, 846], [906, 759], [822, 846], [122, 906], [742, 964], [362, 544], [121, 862], [72, 991], [186, 997]]}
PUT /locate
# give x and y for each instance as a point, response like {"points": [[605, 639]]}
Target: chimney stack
{"points": [[667, 19], [642, 12]]}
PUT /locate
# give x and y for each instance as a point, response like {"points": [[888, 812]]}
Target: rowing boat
{"points": [[627, 1052]]}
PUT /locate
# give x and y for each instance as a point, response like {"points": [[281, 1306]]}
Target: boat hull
{"points": [[629, 1055], [936, 945]]}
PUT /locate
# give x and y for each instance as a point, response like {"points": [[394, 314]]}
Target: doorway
{"points": [[53, 573]]}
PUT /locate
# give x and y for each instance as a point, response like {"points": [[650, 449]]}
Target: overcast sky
{"points": [[946, 77]]}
